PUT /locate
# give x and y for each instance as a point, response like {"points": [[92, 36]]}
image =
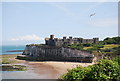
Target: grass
{"points": [[108, 46], [87, 48], [8, 59], [11, 61]]}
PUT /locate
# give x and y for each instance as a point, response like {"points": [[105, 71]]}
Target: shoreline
{"points": [[47, 69]]}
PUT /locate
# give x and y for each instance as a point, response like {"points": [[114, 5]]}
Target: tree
{"points": [[114, 40]]}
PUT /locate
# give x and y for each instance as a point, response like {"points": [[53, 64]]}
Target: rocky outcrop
{"points": [[58, 53]]}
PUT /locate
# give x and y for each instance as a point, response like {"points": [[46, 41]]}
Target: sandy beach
{"points": [[47, 69], [53, 70]]}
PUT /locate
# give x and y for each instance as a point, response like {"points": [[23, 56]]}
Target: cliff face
{"points": [[57, 53]]}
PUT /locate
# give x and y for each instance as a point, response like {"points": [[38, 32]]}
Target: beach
{"points": [[45, 69]]}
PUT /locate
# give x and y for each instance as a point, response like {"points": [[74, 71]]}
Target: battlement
{"points": [[60, 42]]}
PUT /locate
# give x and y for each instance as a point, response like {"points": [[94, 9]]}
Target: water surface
{"points": [[6, 49]]}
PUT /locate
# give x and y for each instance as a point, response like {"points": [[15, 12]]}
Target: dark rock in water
{"points": [[13, 68], [15, 51]]}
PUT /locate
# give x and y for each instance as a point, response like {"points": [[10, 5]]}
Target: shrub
{"points": [[103, 70], [78, 73], [114, 40], [117, 59], [87, 45]]}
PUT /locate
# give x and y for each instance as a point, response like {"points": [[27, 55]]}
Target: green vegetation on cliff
{"points": [[105, 69], [106, 47]]}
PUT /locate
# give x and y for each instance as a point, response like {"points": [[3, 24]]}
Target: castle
{"points": [[60, 42], [55, 50]]}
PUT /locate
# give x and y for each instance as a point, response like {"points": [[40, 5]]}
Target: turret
{"points": [[70, 37], [64, 38], [96, 40], [51, 37]]}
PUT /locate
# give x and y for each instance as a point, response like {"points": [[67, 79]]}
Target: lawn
{"points": [[110, 46], [87, 47]]}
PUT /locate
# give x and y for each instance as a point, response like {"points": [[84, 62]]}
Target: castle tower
{"points": [[96, 40], [64, 38], [70, 37], [51, 37]]}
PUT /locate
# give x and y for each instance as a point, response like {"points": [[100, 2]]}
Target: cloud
{"points": [[27, 37]]}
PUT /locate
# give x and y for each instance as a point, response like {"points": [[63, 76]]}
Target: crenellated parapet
{"points": [[60, 42]]}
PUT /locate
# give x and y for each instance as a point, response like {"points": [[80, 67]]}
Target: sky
{"points": [[30, 22]]}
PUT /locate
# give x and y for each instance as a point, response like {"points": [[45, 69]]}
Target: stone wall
{"points": [[58, 53]]}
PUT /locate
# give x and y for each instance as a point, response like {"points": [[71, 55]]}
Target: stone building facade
{"points": [[57, 53], [60, 42]]}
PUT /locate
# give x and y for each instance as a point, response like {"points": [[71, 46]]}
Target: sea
{"points": [[6, 49], [29, 74], [15, 74]]}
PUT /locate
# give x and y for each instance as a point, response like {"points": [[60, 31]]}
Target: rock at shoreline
{"points": [[15, 51], [13, 68]]}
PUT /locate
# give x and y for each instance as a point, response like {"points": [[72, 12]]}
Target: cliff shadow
{"points": [[58, 59]]}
